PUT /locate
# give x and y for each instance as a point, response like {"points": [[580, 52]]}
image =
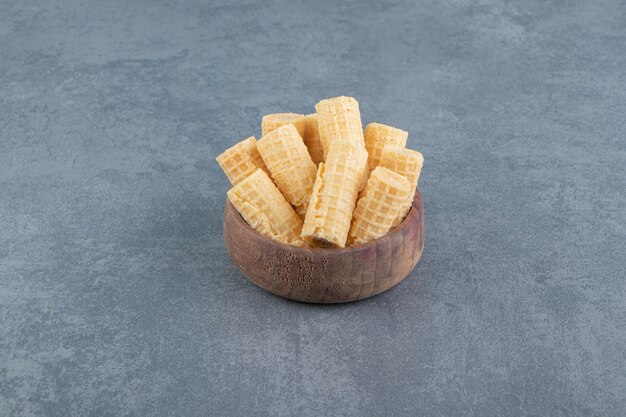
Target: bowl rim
{"points": [[414, 213]]}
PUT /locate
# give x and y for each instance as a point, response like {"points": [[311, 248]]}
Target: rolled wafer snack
{"points": [[290, 164], [260, 203], [407, 163], [377, 135], [339, 118], [380, 203], [241, 160], [312, 138], [274, 121], [327, 221]]}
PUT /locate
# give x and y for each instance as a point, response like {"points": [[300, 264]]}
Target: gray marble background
{"points": [[117, 296]]}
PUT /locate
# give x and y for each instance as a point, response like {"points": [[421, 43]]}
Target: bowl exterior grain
{"points": [[321, 275]]}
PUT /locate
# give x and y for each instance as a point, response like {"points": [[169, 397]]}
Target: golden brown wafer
{"points": [[380, 203], [339, 118], [377, 135], [327, 221], [241, 160], [272, 122], [290, 164], [262, 205], [407, 163]]}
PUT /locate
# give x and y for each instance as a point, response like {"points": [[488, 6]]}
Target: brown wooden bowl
{"points": [[322, 275]]}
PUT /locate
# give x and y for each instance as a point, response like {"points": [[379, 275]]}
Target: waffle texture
{"points": [[241, 160], [407, 163], [327, 221], [379, 205], [260, 203], [339, 118], [377, 135], [290, 164], [312, 138], [272, 122]]}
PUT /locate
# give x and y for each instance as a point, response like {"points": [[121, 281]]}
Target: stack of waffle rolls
{"points": [[319, 180]]}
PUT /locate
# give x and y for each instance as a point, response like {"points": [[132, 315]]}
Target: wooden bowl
{"points": [[321, 275]]}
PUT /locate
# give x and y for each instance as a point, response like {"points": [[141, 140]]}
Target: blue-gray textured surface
{"points": [[117, 296]]}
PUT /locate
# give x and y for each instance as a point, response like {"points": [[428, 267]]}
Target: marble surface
{"points": [[117, 296]]}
